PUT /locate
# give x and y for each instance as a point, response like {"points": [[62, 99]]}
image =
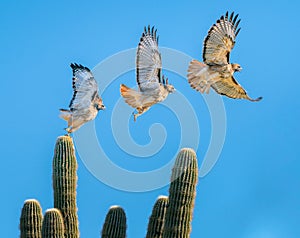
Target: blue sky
{"points": [[253, 191]]}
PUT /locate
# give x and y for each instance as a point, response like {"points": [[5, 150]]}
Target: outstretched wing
{"points": [[220, 40], [148, 61], [231, 88], [85, 88]]}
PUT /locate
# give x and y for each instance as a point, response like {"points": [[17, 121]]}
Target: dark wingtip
{"points": [[231, 16], [238, 22], [150, 31], [256, 100], [75, 66], [234, 19], [155, 33]]}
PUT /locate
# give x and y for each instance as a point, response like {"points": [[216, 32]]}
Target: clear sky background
{"points": [[254, 189]]}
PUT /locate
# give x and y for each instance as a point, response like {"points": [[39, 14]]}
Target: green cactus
{"points": [[31, 219], [182, 193], [64, 184], [157, 218], [115, 223], [53, 224]]}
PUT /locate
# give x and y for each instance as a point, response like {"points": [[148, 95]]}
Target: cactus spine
{"points": [[31, 219], [64, 184], [157, 218], [115, 223], [53, 224], [182, 193]]}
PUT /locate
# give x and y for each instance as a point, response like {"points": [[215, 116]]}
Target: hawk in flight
{"points": [[152, 86], [216, 71], [86, 101]]}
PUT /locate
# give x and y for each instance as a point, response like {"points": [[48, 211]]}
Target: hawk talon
{"points": [[68, 130], [135, 116]]}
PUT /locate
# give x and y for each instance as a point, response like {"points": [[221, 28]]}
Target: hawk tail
{"points": [[197, 76], [130, 96], [65, 114]]}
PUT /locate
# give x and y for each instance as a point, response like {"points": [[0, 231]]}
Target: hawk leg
{"points": [[140, 110], [69, 129]]}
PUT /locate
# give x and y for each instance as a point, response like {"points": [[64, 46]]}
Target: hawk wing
{"points": [[148, 61], [231, 88], [220, 40], [85, 88]]}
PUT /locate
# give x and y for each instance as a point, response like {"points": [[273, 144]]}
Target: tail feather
{"points": [[131, 96], [197, 76], [65, 114]]}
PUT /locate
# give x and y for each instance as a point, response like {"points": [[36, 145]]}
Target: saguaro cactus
{"points": [[64, 184], [157, 218], [53, 224], [115, 223], [31, 219], [182, 194]]}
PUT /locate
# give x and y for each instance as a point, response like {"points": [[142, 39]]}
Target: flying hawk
{"points": [[152, 86], [216, 71], [86, 101]]}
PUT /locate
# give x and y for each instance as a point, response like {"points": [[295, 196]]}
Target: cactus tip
{"points": [[190, 150]]}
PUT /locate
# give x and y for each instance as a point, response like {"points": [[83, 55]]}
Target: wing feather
{"points": [[148, 61], [231, 88], [84, 86], [220, 40]]}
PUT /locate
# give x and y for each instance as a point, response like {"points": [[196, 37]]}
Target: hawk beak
{"points": [[101, 107]]}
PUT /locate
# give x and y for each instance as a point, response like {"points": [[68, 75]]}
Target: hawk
{"points": [[85, 102], [152, 85], [216, 71]]}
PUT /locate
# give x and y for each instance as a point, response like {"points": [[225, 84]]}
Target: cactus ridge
{"points": [[65, 183], [53, 224], [31, 219], [115, 223], [170, 218], [157, 218], [182, 193]]}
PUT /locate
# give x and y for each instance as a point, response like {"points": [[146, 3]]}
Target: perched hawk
{"points": [[86, 101], [152, 86], [216, 71]]}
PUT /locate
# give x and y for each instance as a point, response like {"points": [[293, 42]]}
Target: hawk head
{"points": [[98, 104], [236, 67], [169, 87]]}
